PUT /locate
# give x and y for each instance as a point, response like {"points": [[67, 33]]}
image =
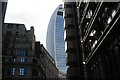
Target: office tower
{"points": [[18, 53], [3, 5], [55, 39], [93, 40]]}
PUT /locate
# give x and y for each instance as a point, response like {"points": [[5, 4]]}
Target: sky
{"points": [[35, 13]]}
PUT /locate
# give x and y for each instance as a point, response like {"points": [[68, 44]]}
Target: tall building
{"points": [[3, 5], [55, 39], [18, 53], [93, 40]]}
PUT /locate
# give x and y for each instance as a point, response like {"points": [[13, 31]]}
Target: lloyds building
{"points": [[93, 40]]}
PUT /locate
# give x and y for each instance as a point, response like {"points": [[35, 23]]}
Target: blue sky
{"points": [[35, 13]]}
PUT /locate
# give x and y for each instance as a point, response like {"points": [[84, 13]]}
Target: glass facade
{"points": [[55, 39]]}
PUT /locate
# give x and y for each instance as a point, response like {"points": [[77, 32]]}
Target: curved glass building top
{"points": [[55, 39]]}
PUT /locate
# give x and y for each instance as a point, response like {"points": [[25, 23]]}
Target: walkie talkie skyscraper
{"points": [[55, 39]]}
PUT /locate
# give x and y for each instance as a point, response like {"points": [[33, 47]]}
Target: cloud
{"points": [[35, 13]]}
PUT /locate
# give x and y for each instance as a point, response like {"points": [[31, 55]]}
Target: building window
{"points": [[17, 38], [16, 52], [17, 33], [11, 71], [22, 71], [20, 53], [10, 26], [24, 53], [17, 26], [17, 46], [22, 59], [13, 59], [9, 33]]}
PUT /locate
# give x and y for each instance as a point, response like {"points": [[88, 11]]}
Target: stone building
{"points": [[18, 52], [48, 63]]}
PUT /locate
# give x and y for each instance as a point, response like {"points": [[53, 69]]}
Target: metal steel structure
{"points": [[96, 47]]}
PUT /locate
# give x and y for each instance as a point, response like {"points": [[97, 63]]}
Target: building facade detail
{"points": [[23, 57], [92, 37]]}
